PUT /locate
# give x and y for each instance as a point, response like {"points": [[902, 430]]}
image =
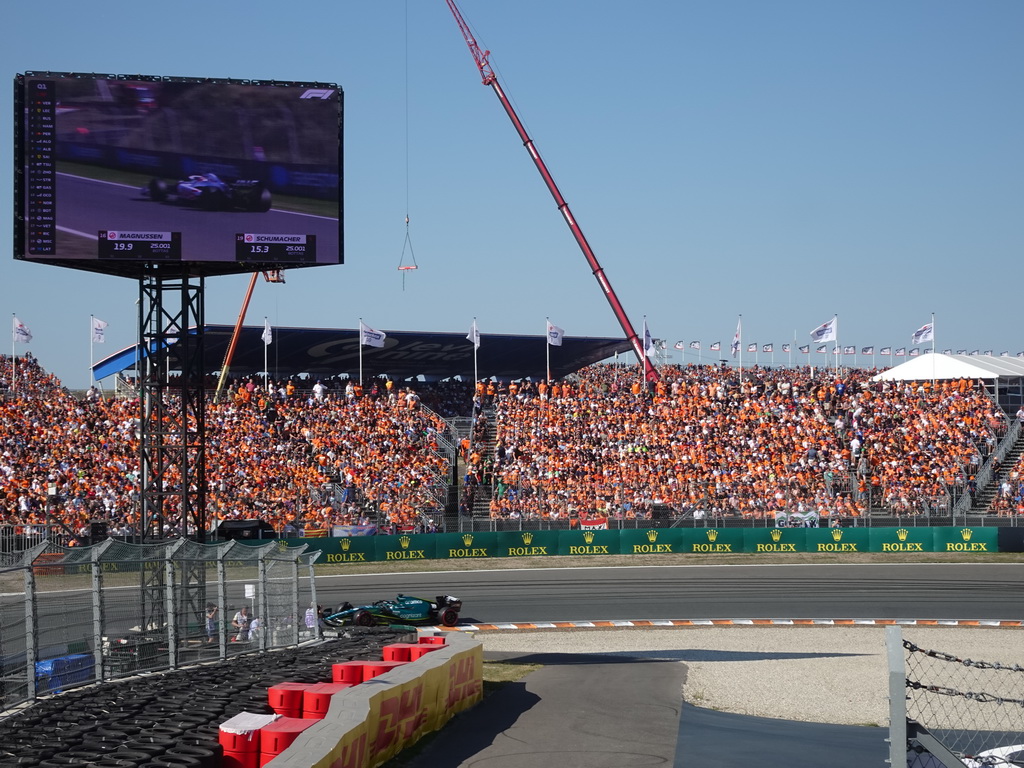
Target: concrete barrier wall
{"points": [[373, 721]]}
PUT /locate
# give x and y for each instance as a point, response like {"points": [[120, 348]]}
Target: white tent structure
{"points": [[1003, 376]]}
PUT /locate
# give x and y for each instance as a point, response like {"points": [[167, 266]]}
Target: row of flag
{"points": [[806, 349], [370, 337]]}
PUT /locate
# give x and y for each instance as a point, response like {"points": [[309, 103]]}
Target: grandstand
{"points": [[596, 447]]}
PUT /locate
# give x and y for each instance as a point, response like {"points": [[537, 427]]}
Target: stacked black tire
{"points": [[170, 720]]}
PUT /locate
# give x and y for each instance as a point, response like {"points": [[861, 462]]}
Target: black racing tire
{"points": [[448, 617], [261, 203], [158, 190], [363, 619]]}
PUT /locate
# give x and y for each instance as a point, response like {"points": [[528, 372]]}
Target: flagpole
{"points": [[739, 349], [476, 374], [547, 347], [933, 351], [14, 358], [835, 318], [266, 373], [360, 351]]}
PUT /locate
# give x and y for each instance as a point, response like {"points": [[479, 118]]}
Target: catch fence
{"points": [[949, 711], [79, 615]]}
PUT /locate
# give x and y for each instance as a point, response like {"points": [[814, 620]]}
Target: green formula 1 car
{"points": [[404, 609]]}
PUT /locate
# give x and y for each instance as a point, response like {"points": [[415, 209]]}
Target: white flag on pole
{"points": [[369, 337], [99, 330], [736, 337], [825, 331], [474, 335], [648, 341], [268, 335], [555, 334], [21, 332], [925, 333]]}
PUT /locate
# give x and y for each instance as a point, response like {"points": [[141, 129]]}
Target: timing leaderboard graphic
{"points": [[278, 248], [115, 172]]}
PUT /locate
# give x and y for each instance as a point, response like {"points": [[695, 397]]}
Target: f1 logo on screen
{"points": [[317, 93]]}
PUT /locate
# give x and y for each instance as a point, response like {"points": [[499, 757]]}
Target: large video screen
{"points": [[117, 173]]}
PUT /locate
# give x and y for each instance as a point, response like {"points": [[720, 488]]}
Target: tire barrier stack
{"points": [[171, 719], [370, 711]]}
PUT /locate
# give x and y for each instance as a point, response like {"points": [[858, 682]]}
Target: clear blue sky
{"points": [[785, 160]]}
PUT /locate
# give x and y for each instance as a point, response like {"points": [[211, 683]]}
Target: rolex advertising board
{"points": [[466, 545], [905, 539], [406, 546], [578, 543], [966, 539], [770, 541], [348, 549], [528, 543], [713, 541], [653, 541], [838, 540]]}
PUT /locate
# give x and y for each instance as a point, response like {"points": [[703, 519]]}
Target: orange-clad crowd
{"points": [[270, 456], [600, 443], [703, 439]]}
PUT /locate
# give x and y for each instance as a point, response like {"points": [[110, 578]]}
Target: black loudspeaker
{"points": [[98, 531], [245, 529]]}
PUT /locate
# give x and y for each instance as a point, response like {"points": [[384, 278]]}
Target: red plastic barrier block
{"points": [[420, 650], [240, 759], [398, 651], [374, 668], [241, 733], [285, 698], [432, 639], [348, 672], [317, 699], [279, 735]]}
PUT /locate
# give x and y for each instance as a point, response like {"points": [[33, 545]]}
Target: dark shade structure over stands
{"points": [[406, 354]]}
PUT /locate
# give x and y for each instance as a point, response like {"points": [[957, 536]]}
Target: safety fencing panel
{"points": [[73, 616]]}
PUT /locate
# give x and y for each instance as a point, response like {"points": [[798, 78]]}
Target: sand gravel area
{"points": [[833, 675]]}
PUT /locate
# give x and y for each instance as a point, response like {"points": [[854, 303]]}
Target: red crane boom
{"points": [[489, 78]]}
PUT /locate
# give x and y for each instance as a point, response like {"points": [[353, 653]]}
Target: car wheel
{"points": [[449, 617], [262, 203], [363, 619], [158, 190]]}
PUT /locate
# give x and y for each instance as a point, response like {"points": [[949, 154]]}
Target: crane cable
{"points": [[407, 245]]}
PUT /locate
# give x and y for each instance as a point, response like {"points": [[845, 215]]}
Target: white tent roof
{"points": [[940, 366]]}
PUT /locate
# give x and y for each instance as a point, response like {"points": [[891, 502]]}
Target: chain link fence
{"points": [[952, 707], [74, 616]]}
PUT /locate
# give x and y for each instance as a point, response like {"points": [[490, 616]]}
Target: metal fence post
{"points": [[897, 697], [222, 597], [317, 633], [261, 596], [171, 603], [97, 607], [31, 629], [295, 600]]}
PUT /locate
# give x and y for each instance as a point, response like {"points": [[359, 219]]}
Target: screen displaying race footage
{"points": [[115, 172]]}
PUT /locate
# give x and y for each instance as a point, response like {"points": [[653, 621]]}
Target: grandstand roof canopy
{"points": [[941, 366], [325, 352]]}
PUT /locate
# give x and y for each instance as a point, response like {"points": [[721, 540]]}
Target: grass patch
{"points": [[496, 676]]}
